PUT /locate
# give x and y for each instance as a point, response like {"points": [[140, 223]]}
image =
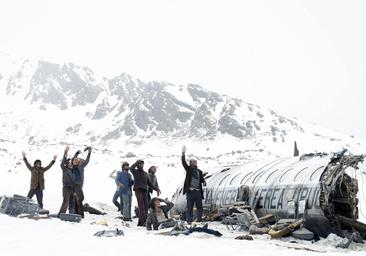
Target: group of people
{"points": [[72, 180], [151, 213]]}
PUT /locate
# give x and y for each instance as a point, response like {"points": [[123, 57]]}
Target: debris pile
{"points": [[244, 218], [18, 205]]}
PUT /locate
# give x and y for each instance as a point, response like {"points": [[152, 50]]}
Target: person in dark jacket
{"points": [[81, 163], [78, 173], [37, 178], [125, 182], [153, 180], [68, 181], [141, 186], [193, 187], [158, 214]]}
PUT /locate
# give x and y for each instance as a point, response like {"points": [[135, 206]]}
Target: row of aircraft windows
{"points": [[267, 179], [270, 175]]}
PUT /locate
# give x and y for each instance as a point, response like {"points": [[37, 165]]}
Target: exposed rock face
{"points": [[130, 107]]}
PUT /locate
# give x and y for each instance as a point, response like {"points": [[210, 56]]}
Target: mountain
{"points": [[49, 104], [46, 106]]}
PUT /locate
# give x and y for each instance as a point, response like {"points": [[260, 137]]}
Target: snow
{"points": [[21, 121], [55, 237]]}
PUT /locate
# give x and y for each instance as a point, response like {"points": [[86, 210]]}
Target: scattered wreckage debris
{"points": [[298, 247], [246, 219], [109, 233], [303, 234], [34, 216], [284, 228], [23, 207], [314, 191], [70, 217], [17, 205], [244, 237], [181, 229]]}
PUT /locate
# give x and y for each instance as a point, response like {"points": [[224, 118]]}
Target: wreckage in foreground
{"points": [[313, 187]]}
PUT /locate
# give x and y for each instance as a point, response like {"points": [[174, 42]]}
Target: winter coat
{"points": [[153, 181], [79, 175], [124, 178], [68, 179], [188, 179], [141, 179], [152, 220], [37, 174]]}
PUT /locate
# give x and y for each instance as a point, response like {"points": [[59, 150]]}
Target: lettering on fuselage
{"points": [[274, 198]]}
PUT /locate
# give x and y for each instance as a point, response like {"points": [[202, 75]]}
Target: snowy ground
{"points": [[55, 237]]}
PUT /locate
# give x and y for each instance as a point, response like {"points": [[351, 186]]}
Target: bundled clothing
{"points": [[154, 182], [76, 201], [157, 218], [68, 182], [125, 182], [79, 175], [193, 189], [37, 180], [181, 229], [141, 186]]}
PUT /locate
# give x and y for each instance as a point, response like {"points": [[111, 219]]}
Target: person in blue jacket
{"points": [[124, 183]]}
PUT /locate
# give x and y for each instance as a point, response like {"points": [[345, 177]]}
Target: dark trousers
{"points": [[148, 199], [194, 197], [115, 201], [79, 198], [67, 192], [141, 196], [39, 194]]}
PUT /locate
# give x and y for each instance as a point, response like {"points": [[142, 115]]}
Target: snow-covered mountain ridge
{"points": [[45, 103]]}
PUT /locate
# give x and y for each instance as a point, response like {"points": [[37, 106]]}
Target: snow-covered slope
{"points": [[45, 103], [46, 106]]}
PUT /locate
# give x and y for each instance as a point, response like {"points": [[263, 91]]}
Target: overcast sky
{"points": [[301, 58]]}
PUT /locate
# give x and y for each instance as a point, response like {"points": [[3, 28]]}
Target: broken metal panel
{"points": [[314, 186], [17, 205], [339, 191]]}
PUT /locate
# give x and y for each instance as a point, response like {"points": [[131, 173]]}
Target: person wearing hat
{"points": [[37, 178], [124, 183], [141, 186]]}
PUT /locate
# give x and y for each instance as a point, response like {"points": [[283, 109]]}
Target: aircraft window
{"points": [[208, 176], [263, 172], [312, 175], [283, 174], [258, 176], [297, 175], [226, 169], [234, 178], [241, 182], [270, 175], [224, 179], [180, 191]]}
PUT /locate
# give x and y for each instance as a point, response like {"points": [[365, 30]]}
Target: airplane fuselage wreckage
{"points": [[315, 187]]}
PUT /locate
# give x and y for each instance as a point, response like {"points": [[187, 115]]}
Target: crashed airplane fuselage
{"points": [[316, 188]]}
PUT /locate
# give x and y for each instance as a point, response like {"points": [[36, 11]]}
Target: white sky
{"points": [[301, 58]]}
